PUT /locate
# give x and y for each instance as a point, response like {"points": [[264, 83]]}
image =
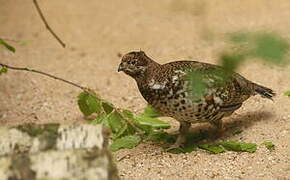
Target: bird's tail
{"points": [[264, 91]]}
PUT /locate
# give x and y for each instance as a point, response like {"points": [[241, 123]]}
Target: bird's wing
{"points": [[230, 87], [230, 108]]}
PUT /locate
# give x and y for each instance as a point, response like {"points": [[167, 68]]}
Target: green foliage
{"points": [[125, 142], [151, 112], [151, 122], [89, 103], [230, 62], [267, 46], [161, 136], [269, 145], [239, 146], [187, 149], [196, 84], [220, 147], [287, 93], [116, 124], [212, 148], [124, 124], [3, 70], [107, 107], [270, 47], [7, 46]]}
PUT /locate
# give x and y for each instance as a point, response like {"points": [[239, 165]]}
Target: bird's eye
{"points": [[133, 61]]}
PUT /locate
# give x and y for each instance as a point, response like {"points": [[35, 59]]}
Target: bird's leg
{"points": [[183, 130], [219, 127]]}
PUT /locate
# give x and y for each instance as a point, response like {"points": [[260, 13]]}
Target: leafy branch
{"points": [[127, 129], [5, 66], [125, 126]]}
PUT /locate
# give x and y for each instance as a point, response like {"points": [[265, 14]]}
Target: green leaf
{"points": [[152, 122], [269, 145], [122, 132], [6, 45], [197, 84], [230, 62], [3, 70], [82, 102], [149, 111], [190, 148], [130, 117], [116, 122], [187, 149], [287, 93], [267, 46], [157, 136], [88, 104], [270, 47], [127, 113], [108, 107], [239, 146], [101, 120], [212, 148], [125, 142]]}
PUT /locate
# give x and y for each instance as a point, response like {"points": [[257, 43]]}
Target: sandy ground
{"points": [[96, 31]]}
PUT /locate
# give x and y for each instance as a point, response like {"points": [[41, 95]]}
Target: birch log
{"points": [[55, 152]]}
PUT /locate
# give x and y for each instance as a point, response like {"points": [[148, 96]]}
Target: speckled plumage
{"points": [[167, 88]]}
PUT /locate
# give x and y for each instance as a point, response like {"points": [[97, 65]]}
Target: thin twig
{"points": [[46, 24], [43, 73]]}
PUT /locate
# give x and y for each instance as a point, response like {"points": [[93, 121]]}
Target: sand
{"points": [[96, 31]]}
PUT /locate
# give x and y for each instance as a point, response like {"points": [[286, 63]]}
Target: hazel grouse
{"points": [[167, 88]]}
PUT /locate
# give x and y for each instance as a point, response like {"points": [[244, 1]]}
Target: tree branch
{"points": [[45, 74], [46, 24]]}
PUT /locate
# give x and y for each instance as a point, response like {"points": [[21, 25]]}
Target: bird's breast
{"points": [[172, 98]]}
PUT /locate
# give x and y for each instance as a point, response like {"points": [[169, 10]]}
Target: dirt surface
{"points": [[96, 31]]}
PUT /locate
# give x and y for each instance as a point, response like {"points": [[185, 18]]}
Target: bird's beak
{"points": [[121, 67]]}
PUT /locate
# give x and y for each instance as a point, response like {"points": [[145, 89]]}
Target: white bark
{"points": [[55, 152]]}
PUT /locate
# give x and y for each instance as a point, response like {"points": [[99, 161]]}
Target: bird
{"points": [[171, 89]]}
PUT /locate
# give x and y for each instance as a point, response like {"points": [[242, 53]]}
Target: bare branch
{"points": [[46, 24], [45, 74]]}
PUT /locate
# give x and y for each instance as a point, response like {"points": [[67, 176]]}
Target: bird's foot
{"points": [[181, 139], [175, 146], [179, 143]]}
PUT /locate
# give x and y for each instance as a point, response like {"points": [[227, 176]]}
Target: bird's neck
{"points": [[151, 69]]}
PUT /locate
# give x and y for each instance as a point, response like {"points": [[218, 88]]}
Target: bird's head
{"points": [[134, 64]]}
